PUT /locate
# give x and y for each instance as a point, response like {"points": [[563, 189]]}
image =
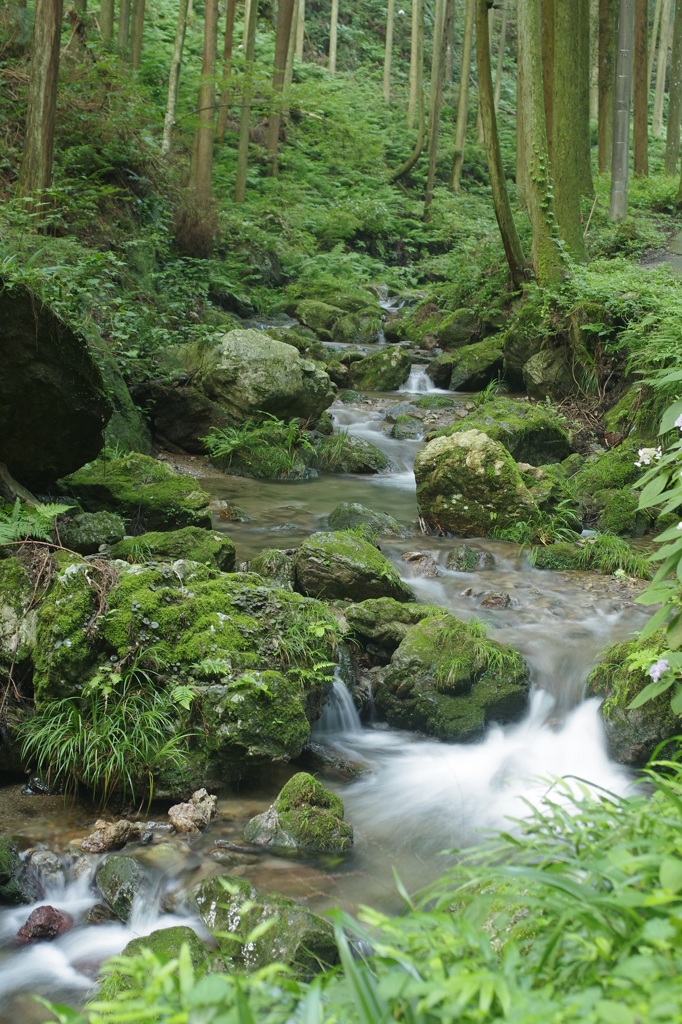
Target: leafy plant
{"points": [[271, 450], [22, 522], [562, 524]]}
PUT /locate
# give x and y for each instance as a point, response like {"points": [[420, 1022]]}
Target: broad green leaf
{"points": [[651, 493], [670, 874], [650, 692], [611, 1012], [676, 702], [669, 416]]}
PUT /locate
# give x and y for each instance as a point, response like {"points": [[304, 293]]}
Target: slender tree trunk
{"points": [[247, 92], [582, 111], [333, 36], [174, 76], [137, 33], [607, 80], [285, 17], [300, 30], [503, 212], [106, 19], [641, 92], [463, 101], [202, 167], [247, 17], [567, 134], [547, 30], [652, 44], [594, 60], [546, 254], [291, 56], [500, 56], [124, 25], [521, 162], [416, 61], [662, 67], [35, 172], [479, 117], [224, 105], [435, 98], [621, 125], [419, 144], [672, 141], [388, 51]]}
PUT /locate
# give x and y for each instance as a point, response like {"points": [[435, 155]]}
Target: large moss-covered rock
{"points": [[548, 374], [360, 327], [181, 415], [632, 735], [121, 881], [524, 337], [250, 374], [350, 514], [17, 618], [320, 317], [382, 371], [637, 413], [88, 531], [380, 625], [232, 908], [449, 680], [275, 565], [341, 565], [305, 817], [343, 453], [166, 944], [16, 884], [458, 328], [191, 543], [469, 368], [127, 429], [530, 433], [469, 484], [147, 493], [465, 558], [53, 403]]}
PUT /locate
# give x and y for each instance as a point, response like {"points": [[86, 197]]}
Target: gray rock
{"points": [[121, 880], [350, 514], [340, 565], [86, 532], [194, 815], [468, 559], [548, 374]]}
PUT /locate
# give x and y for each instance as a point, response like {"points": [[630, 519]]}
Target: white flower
{"points": [[678, 422], [657, 670], [647, 455]]}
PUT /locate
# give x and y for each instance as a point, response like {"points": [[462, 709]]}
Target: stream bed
{"points": [[416, 798]]}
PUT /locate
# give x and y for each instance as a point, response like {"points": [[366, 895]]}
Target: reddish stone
{"points": [[44, 923]]}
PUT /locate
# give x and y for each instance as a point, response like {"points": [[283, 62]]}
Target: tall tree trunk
{"points": [[655, 29], [662, 68], [463, 100], [291, 56], [106, 19], [546, 254], [641, 91], [35, 172], [435, 98], [285, 17], [582, 111], [333, 36], [388, 50], [245, 116], [594, 60], [567, 137], [416, 60], [672, 141], [479, 117], [124, 25], [137, 33], [607, 80], [521, 162], [224, 105], [300, 29], [621, 124], [547, 30], [174, 76], [500, 56], [202, 166], [503, 212]]}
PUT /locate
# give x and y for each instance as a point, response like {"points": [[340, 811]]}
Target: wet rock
{"points": [[305, 817], [381, 625], [350, 514], [548, 374], [100, 914], [191, 543], [340, 565], [36, 787], [275, 565], [403, 409], [496, 600], [121, 880], [87, 532], [458, 328], [382, 371], [17, 885], [464, 558], [111, 835], [469, 368], [166, 944], [420, 564], [48, 869], [194, 815], [44, 923]]}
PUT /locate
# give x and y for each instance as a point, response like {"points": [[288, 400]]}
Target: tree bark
{"points": [[662, 67], [463, 100], [621, 124], [652, 43], [416, 61], [202, 167], [124, 25], [224, 105], [500, 56], [435, 98], [607, 80], [521, 165], [388, 50], [137, 33], [547, 37], [333, 36], [35, 173], [567, 139], [106, 19], [672, 141], [641, 91], [582, 111], [245, 116], [285, 17], [594, 60], [491, 32], [546, 254], [174, 76], [300, 30], [503, 212]]}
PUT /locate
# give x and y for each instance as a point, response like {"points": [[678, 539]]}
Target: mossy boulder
{"points": [[619, 513], [232, 908], [343, 453], [360, 327], [16, 884], [191, 543], [350, 514], [17, 618], [88, 531], [127, 429], [166, 944], [549, 374], [382, 371], [636, 413], [465, 558], [380, 625], [449, 680], [524, 337], [305, 817], [612, 469], [632, 735], [531, 433], [251, 375], [181, 415], [341, 565], [407, 427], [121, 881], [276, 566], [469, 368], [145, 492], [561, 556], [320, 317], [468, 484], [458, 328]]}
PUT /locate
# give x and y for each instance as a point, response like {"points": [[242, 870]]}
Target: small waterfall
{"points": [[418, 383], [340, 715]]}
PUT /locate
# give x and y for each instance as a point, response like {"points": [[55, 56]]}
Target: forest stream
{"points": [[408, 798]]}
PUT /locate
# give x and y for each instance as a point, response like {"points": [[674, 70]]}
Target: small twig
{"points": [[589, 219]]}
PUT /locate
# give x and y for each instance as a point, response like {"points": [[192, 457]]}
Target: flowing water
{"points": [[414, 797]]}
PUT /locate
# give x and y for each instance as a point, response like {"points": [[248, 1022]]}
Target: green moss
{"points": [[275, 565], [191, 543], [340, 565], [382, 371], [612, 470], [619, 513], [166, 944], [350, 514], [360, 327], [16, 886], [604, 553], [342, 453], [147, 493], [406, 426], [305, 817], [637, 413], [17, 623], [383, 622], [474, 366], [85, 533], [434, 402], [304, 789], [319, 316]]}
